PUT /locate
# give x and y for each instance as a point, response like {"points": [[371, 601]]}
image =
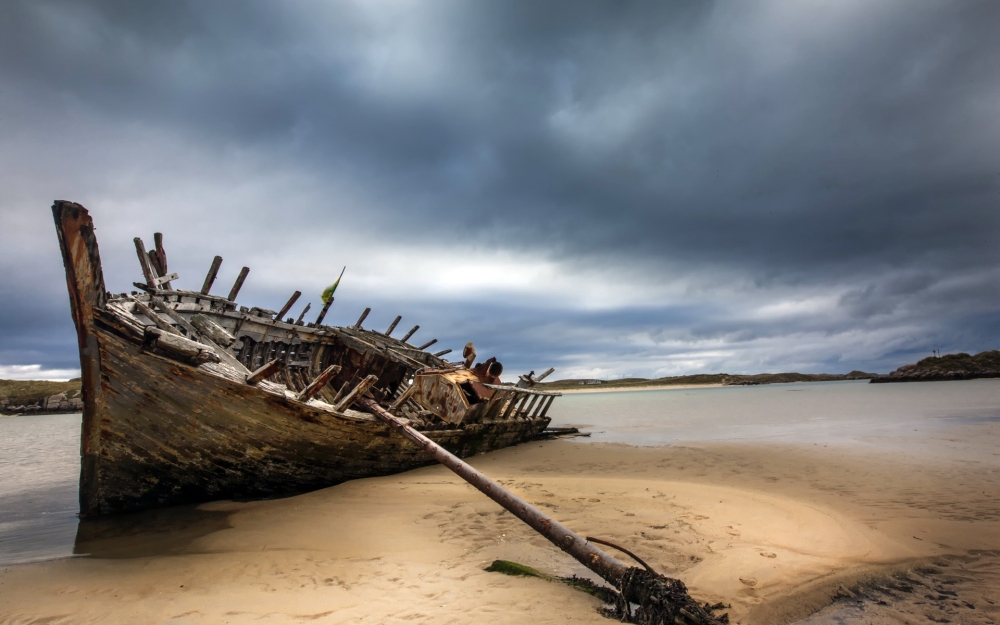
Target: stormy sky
{"points": [[609, 188]]}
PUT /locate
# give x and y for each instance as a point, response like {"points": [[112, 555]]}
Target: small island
{"points": [[960, 366]]}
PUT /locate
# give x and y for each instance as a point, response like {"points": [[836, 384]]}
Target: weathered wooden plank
{"points": [[265, 372], [212, 330], [412, 331], [152, 316], [302, 314], [427, 344], [545, 374], [362, 318], [213, 271], [160, 254], [318, 383], [442, 353], [147, 270], [356, 393], [405, 395], [176, 346], [323, 311], [233, 292], [392, 326], [548, 403], [193, 332], [280, 316]]}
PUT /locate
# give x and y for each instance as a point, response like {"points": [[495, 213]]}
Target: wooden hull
{"points": [[172, 434], [160, 432]]}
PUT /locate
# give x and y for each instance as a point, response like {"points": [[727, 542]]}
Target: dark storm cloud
{"points": [[768, 151]]}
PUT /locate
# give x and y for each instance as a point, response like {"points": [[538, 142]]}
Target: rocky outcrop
{"points": [[68, 402], [959, 366]]}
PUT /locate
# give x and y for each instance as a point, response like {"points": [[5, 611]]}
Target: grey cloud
{"points": [[756, 147]]}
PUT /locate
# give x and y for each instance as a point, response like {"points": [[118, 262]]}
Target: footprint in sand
{"points": [[768, 554], [748, 581]]}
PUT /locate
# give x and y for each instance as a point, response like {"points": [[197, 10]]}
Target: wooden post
{"points": [[545, 374], [520, 406], [392, 326], [233, 292], [322, 313], [298, 321], [410, 333], [265, 372], [362, 318], [661, 600], [158, 256], [340, 393], [356, 393], [212, 272], [161, 254], [317, 384], [510, 407], [547, 404], [410, 390], [428, 344], [527, 411], [147, 270], [442, 353], [284, 309]]}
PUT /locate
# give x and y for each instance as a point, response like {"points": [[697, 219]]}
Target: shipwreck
{"points": [[189, 397]]}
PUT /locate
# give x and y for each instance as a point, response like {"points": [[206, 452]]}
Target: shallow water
{"points": [[39, 476], [896, 417], [39, 455]]}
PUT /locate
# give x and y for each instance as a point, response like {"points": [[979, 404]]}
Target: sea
{"points": [[40, 461]]}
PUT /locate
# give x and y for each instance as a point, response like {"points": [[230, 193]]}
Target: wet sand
{"points": [[779, 531]]}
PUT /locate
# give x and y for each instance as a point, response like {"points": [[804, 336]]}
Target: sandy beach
{"points": [[778, 531]]}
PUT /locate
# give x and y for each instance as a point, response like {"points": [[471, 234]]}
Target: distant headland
{"points": [[959, 366], [40, 397], [703, 379]]}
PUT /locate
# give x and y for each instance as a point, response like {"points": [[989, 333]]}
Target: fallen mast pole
{"points": [[664, 600]]}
